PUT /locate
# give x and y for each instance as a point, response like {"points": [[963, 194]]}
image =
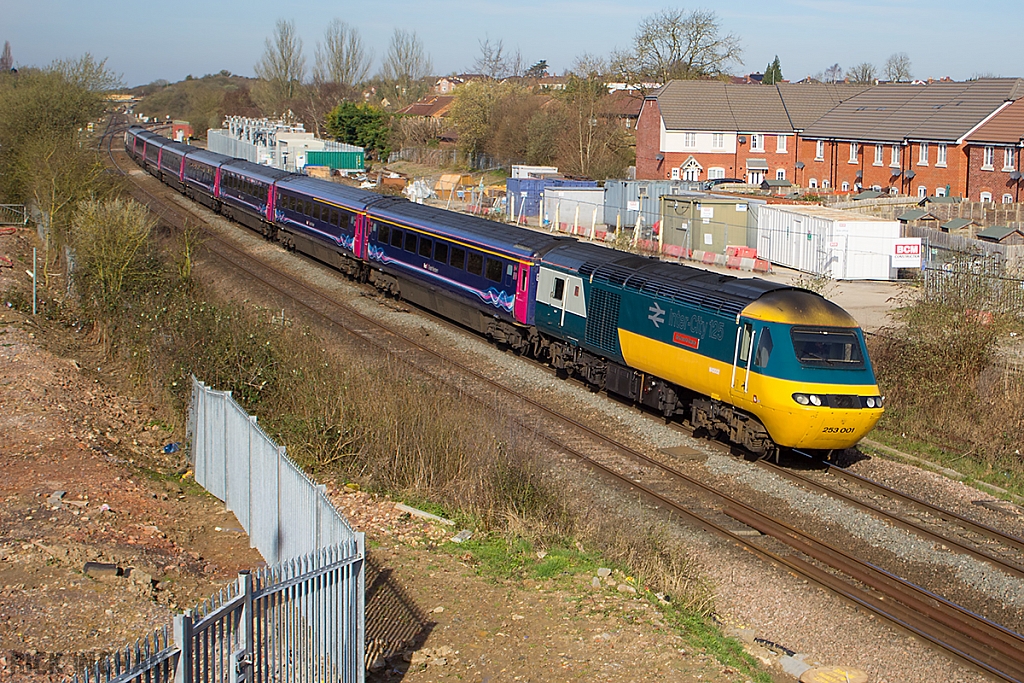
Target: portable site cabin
{"points": [[707, 223], [839, 244]]}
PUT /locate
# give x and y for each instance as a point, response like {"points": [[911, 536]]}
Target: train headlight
{"points": [[801, 399], [870, 402], [815, 400]]}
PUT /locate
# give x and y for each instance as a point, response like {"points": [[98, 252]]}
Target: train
{"points": [[761, 364]]}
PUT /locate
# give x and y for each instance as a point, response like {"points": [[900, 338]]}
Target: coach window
{"points": [[308, 208], [426, 248], [458, 258], [764, 349], [441, 252], [334, 219], [493, 270], [475, 263], [383, 233], [396, 238], [410, 242]]}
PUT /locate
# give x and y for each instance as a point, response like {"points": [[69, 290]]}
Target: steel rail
{"points": [[977, 527], [802, 480]]}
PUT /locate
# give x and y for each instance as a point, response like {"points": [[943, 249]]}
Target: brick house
{"points": [[898, 138], [704, 130], [994, 153], [902, 138]]}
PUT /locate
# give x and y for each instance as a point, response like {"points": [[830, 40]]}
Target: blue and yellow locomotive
{"points": [[758, 362]]}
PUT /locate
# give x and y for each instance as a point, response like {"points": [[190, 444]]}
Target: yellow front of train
{"points": [[802, 368]]}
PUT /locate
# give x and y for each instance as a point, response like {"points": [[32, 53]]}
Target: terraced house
{"points": [[900, 138]]}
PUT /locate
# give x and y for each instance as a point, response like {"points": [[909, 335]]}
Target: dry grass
{"points": [[946, 387]]}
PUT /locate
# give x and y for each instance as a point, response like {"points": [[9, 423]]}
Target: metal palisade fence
{"points": [[300, 620], [285, 514]]}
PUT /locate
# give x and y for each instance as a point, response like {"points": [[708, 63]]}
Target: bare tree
{"points": [[341, 58], [281, 68], [897, 67], [406, 61], [6, 60], [587, 65], [865, 72], [493, 62], [833, 74], [677, 44]]}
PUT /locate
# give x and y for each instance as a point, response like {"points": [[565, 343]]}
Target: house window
{"points": [[780, 174], [986, 163], [940, 154], [716, 172], [893, 191], [675, 174], [985, 197], [718, 141], [879, 151], [780, 144], [689, 140], [922, 191], [757, 142], [1008, 159], [819, 150], [854, 148], [846, 186], [895, 160], [1007, 199], [825, 184], [940, 192], [812, 183], [876, 188], [922, 156]]}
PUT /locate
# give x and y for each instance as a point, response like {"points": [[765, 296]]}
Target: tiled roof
{"points": [[1006, 127], [893, 112], [622, 103], [718, 106], [808, 102], [434, 105]]}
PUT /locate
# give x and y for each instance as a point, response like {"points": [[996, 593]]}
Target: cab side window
{"points": [[764, 349]]}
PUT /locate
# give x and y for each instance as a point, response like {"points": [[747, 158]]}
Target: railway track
{"points": [[970, 637]]}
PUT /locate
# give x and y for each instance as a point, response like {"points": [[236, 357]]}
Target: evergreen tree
{"points": [[773, 72]]}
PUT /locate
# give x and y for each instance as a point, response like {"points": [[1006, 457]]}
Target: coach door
{"points": [[359, 242], [521, 308], [741, 358]]}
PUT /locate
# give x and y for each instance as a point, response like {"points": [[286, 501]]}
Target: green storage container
{"points": [[343, 161]]}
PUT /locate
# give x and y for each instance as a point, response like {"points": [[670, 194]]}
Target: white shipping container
{"points": [[815, 239], [561, 204]]}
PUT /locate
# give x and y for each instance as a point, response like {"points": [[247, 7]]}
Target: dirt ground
{"points": [[104, 537]]}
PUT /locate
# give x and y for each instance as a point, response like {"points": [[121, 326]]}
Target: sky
{"points": [[147, 41]]}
